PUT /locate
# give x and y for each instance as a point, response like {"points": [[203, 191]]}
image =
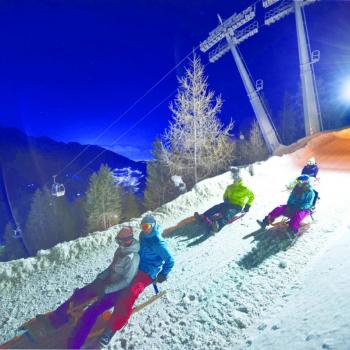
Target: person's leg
{"points": [[296, 220], [228, 214], [218, 208], [123, 307], [60, 316], [82, 329], [275, 213]]}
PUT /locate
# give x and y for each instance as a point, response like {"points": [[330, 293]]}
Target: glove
{"points": [[161, 278], [246, 208]]}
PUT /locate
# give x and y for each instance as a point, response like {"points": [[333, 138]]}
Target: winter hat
{"points": [[126, 233], [148, 219]]}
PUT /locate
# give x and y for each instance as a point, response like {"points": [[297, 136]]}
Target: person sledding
{"points": [[298, 206], [106, 288], [311, 169], [237, 198], [156, 262]]}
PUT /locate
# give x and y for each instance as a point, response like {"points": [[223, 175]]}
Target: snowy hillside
{"points": [[224, 292], [129, 178]]}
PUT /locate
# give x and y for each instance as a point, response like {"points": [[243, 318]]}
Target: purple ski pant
{"points": [[295, 219], [80, 332]]}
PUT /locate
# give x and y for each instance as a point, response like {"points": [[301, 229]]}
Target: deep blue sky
{"points": [[69, 68]]}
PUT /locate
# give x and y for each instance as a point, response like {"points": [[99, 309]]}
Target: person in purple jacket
{"points": [[311, 168]]}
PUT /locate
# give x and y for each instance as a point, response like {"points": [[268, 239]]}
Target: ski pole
{"points": [[156, 290]]}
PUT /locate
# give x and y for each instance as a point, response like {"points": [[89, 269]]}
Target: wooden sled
{"points": [[167, 232], [35, 333]]}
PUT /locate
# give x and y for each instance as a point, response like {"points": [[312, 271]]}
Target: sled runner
{"points": [[197, 218], [280, 226], [36, 334]]}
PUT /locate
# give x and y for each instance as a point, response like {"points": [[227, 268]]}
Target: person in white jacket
{"points": [[106, 287]]}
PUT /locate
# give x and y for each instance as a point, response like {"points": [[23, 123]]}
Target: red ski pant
{"points": [[295, 218], [126, 299]]}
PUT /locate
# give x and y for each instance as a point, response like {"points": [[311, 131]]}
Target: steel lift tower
{"points": [[312, 117], [228, 30]]}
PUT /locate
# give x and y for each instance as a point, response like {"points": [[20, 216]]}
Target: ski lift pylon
{"points": [[57, 189]]}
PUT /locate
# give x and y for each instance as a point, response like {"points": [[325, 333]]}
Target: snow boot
{"points": [[263, 223], [198, 217], [215, 227], [105, 338]]}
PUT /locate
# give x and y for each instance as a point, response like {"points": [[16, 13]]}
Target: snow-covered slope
{"points": [[226, 292]]}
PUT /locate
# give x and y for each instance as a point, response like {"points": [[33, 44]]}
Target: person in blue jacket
{"points": [[311, 169], [297, 208], [156, 262]]}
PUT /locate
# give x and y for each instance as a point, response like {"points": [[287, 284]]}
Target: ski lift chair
{"points": [[57, 190]]}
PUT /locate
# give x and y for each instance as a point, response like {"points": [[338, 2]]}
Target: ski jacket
{"points": [[310, 169], [303, 200], [238, 194], [155, 256], [122, 269]]}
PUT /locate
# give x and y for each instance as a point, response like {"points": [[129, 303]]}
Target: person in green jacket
{"points": [[237, 198]]}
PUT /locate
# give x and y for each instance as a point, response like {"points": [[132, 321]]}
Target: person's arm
{"points": [[308, 200], [250, 196], [123, 273], [163, 252]]}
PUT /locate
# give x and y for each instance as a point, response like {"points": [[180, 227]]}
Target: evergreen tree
{"points": [[159, 187], [103, 204], [13, 248], [130, 206], [40, 231], [50, 221], [253, 149], [195, 144]]}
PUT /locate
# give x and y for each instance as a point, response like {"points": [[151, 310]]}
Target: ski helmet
{"points": [[303, 179], [148, 219], [148, 223], [311, 161]]}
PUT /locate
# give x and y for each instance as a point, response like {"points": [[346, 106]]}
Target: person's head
{"points": [[148, 223], [235, 174], [302, 181], [311, 161], [125, 236]]}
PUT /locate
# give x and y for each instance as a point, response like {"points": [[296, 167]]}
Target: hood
{"points": [[133, 248]]}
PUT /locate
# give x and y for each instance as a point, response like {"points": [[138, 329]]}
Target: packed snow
{"points": [[225, 292]]}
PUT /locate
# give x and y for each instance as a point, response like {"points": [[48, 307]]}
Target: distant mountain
{"points": [[30, 162]]}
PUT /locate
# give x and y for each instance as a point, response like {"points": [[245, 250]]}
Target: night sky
{"points": [[68, 69]]}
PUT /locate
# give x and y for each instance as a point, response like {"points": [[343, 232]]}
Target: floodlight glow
{"points": [[346, 91]]}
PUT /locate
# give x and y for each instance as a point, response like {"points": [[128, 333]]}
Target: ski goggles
{"points": [[121, 240], [301, 182], [146, 227]]}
